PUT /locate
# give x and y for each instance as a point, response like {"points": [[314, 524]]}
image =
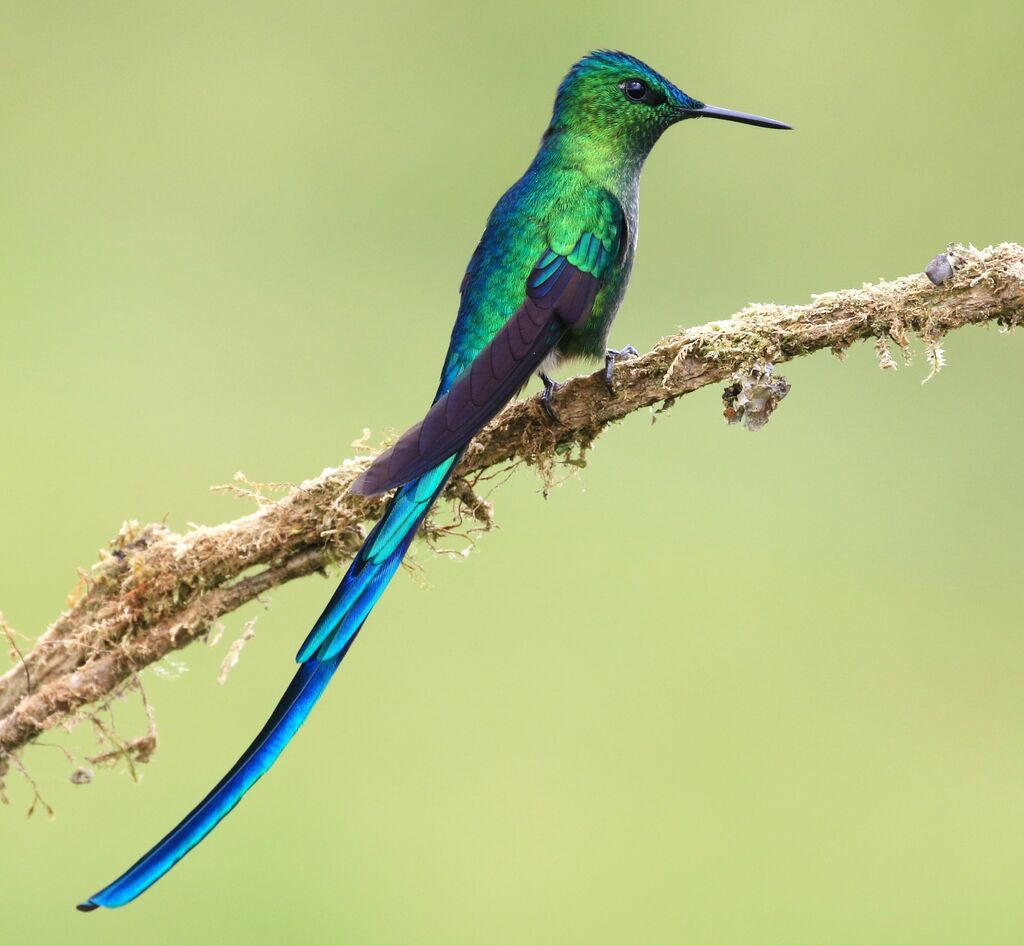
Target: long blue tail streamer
{"points": [[319, 657]]}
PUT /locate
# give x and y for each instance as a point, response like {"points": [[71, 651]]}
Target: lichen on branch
{"points": [[155, 591]]}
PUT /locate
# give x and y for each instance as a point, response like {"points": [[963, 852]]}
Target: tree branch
{"points": [[156, 591]]}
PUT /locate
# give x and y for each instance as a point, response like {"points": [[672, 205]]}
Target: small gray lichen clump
{"points": [[753, 396]]}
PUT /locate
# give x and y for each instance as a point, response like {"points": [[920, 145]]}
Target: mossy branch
{"points": [[156, 591]]}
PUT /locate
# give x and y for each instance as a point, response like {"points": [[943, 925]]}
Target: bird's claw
{"points": [[611, 356], [550, 387]]}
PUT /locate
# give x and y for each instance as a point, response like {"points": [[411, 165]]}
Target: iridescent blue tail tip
{"points": [[288, 716]]}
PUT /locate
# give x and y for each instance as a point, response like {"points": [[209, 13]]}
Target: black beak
{"points": [[727, 114]]}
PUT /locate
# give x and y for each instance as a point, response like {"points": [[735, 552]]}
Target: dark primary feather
{"points": [[559, 297]]}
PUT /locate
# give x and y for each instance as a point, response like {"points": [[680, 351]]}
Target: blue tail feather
{"points": [[374, 564], [319, 657]]}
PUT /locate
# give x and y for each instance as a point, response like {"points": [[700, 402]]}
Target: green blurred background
{"points": [[718, 689]]}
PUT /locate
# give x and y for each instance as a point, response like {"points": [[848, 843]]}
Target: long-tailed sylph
{"points": [[543, 285]]}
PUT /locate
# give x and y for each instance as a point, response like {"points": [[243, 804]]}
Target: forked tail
{"points": [[320, 655]]}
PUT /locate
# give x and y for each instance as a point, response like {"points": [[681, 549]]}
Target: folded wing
{"points": [[560, 294]]}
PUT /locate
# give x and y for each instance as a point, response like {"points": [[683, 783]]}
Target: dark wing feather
{"points": [[561, 303]]}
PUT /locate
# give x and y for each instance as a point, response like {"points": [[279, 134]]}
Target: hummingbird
{"points": [[542, 286]]}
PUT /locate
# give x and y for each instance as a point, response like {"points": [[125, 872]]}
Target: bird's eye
{"points": [[640, 92], [635, 89]]}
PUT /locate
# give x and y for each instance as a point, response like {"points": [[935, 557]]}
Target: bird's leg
{"points": [[611, 356], [550, 387]]}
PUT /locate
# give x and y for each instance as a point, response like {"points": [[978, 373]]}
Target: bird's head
{"points": [[614, 98]]}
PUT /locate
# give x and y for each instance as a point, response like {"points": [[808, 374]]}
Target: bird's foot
{"points": [[550, 387], [611, 356]]}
